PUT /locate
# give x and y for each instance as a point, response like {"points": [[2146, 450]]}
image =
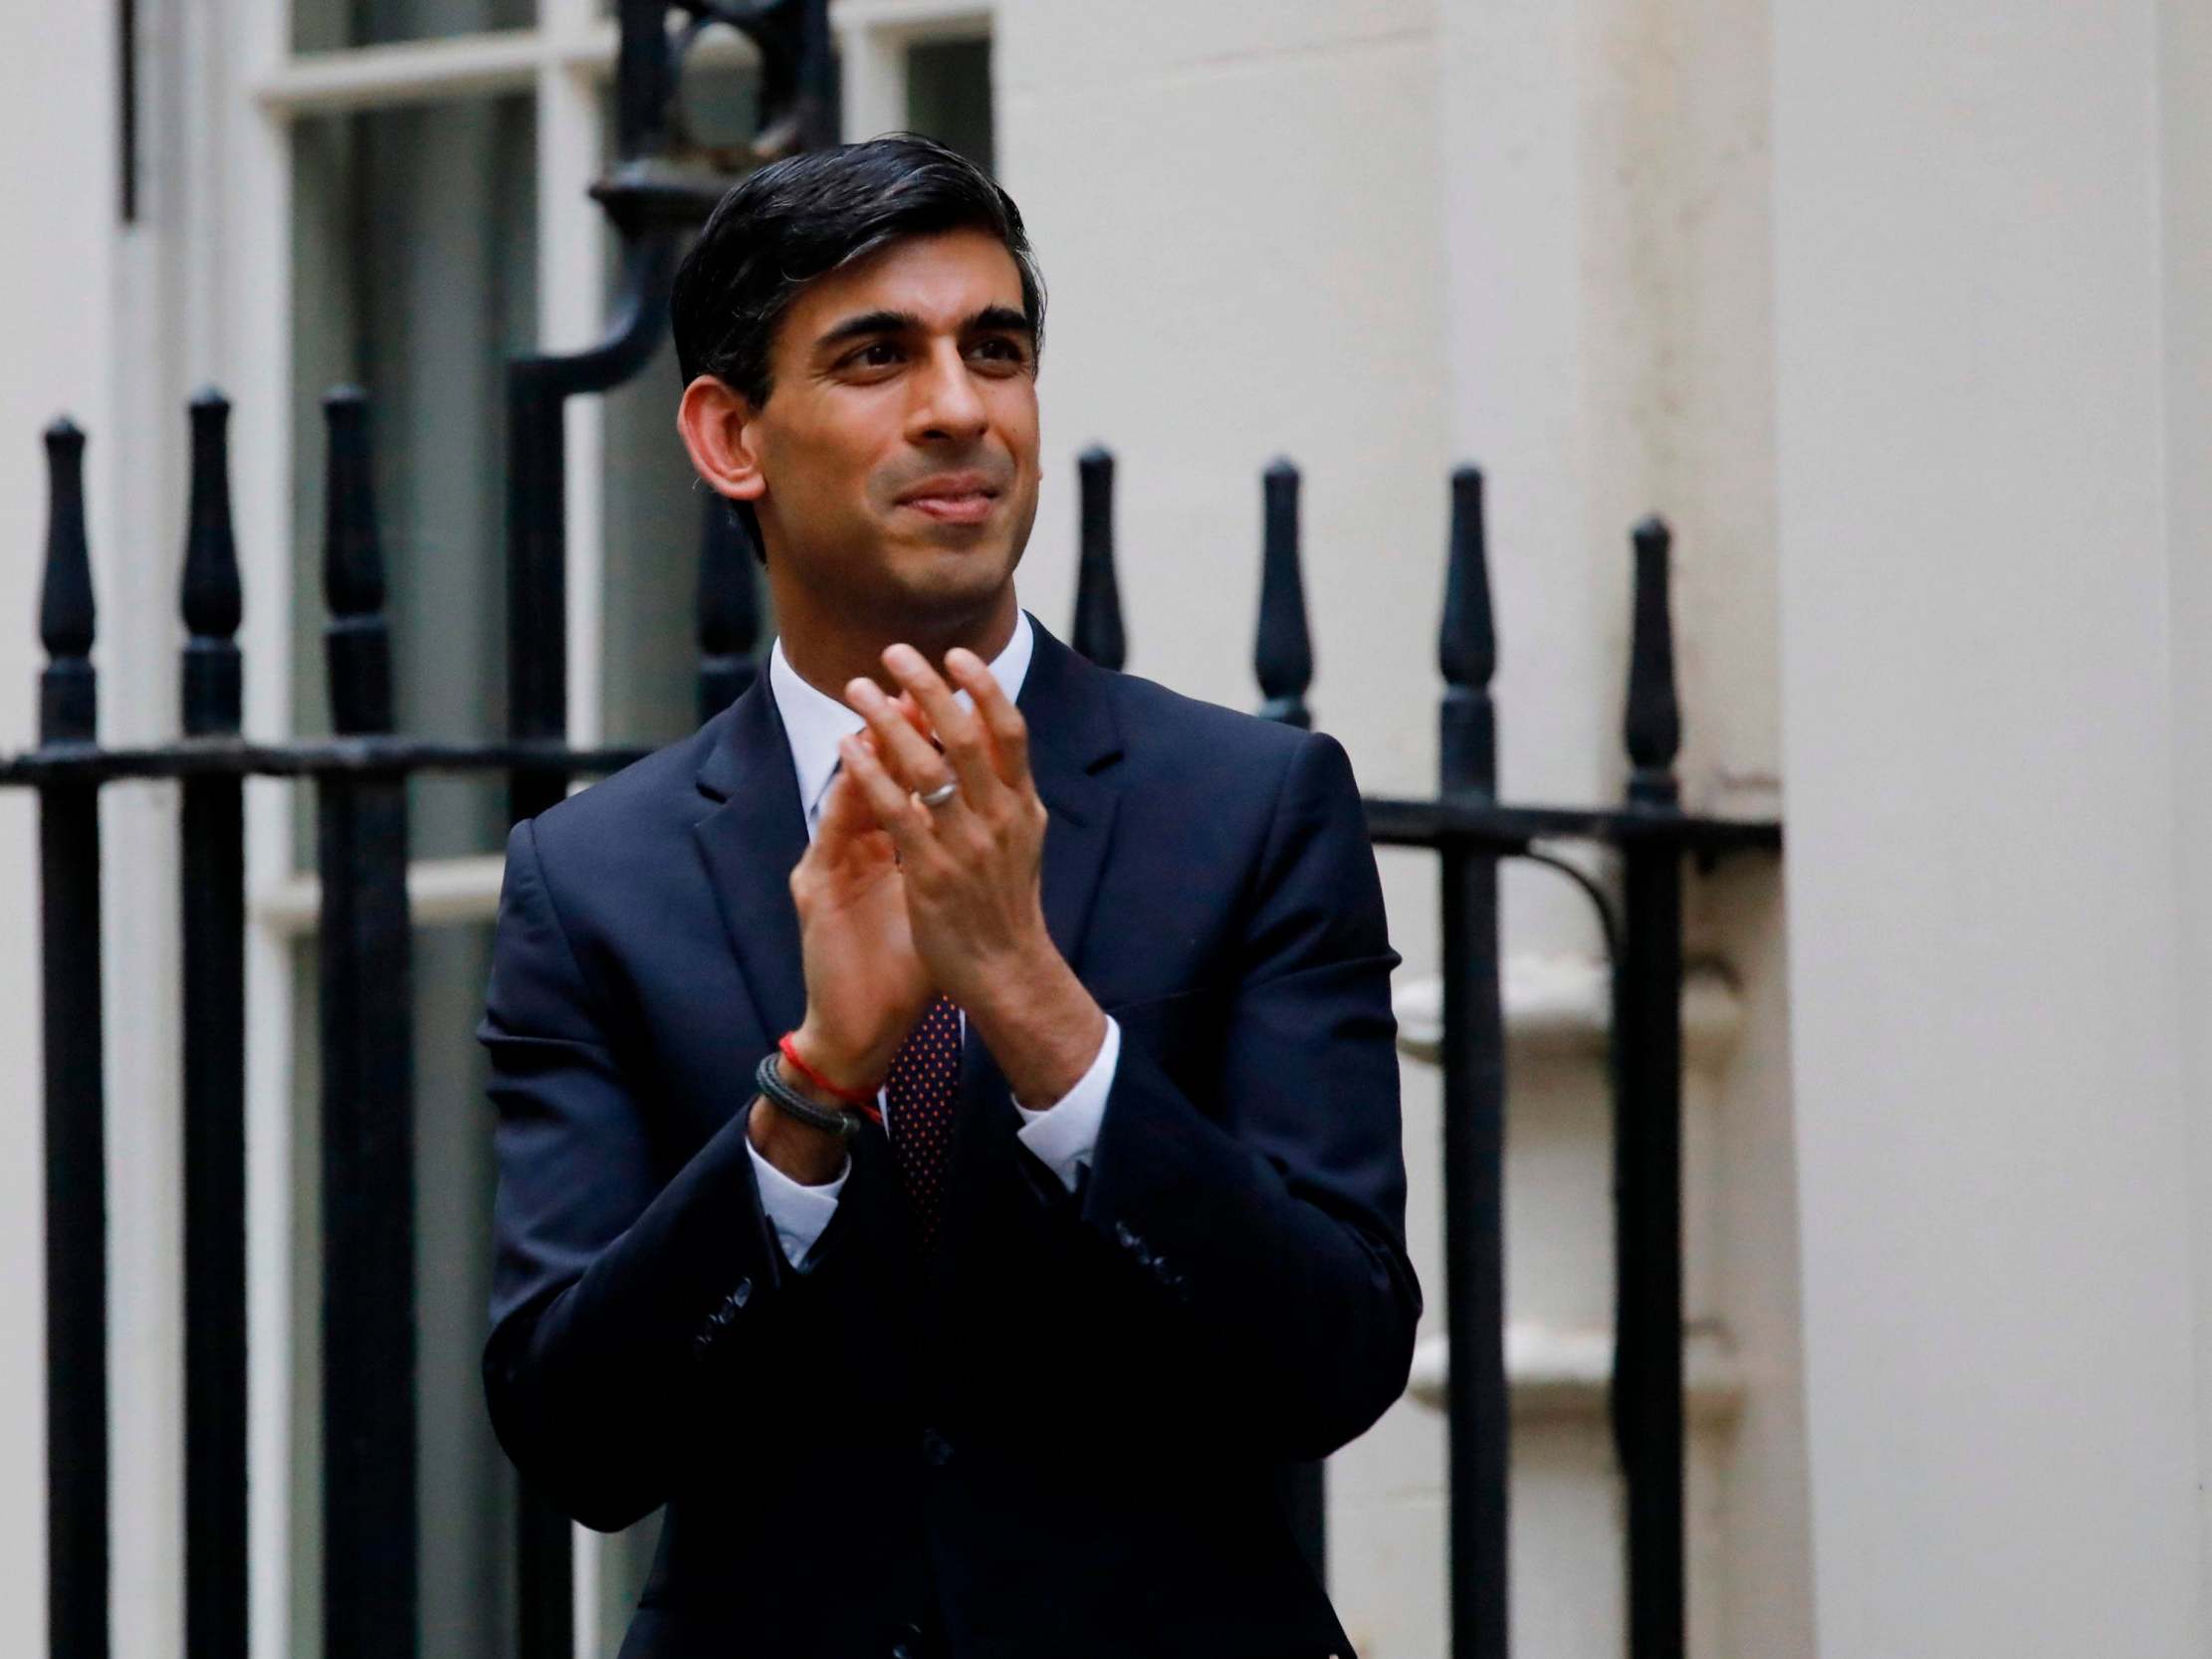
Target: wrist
{"points": [[1045, 1036], [1012, 988], [809, 1155], [834, 1073]]}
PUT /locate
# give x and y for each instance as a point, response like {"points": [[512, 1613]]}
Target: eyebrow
{"points": [[991, 319]]}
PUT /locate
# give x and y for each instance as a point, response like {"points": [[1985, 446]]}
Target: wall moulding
{"points": [[1563, 1004], [1555, 1372]]}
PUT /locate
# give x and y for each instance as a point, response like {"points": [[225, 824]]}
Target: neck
{"points": [[828, 650]]}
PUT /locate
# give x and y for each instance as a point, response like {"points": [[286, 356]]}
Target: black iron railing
{"points": [[360, 775]]}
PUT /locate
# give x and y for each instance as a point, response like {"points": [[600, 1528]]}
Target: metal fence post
{"points": [[76, 1483], [369, 1567], [1282, 661], [212, 860], [538, 391], [1647, 1091], [1283, 656], [1473, 1103], [1097, 631]]}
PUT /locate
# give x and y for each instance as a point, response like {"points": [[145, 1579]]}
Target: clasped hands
{"points": [[899, 902]]}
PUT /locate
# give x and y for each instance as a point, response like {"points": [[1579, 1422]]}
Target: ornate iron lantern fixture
{"points": [[666, 175]]}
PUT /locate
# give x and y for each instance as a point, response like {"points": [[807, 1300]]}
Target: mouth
{"points": [[954, 500]]}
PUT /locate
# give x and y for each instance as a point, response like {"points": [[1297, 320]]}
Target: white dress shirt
{"points": [[1062, 1137]]}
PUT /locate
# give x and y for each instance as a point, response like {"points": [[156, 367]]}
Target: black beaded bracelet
{"points": [[769, 1078]]}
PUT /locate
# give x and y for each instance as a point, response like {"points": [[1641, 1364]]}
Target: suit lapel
{"points": [[1074, 739], [750, 844]]}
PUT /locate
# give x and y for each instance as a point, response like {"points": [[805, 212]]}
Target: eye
{"points": [[1003, 347], [875, 355]]}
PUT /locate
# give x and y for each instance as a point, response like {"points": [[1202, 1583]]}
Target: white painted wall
{"points": [[1240, 228], [1999, 1149], [60, 269], [2185, 137]]}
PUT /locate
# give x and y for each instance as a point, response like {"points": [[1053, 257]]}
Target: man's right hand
{"points": [[866, 985]]}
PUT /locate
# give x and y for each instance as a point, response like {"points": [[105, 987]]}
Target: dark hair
{"points": [[805, 216]]}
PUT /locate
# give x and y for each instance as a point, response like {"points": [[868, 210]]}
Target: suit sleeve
{"points": [[626, 1306], [1270, 1224]]}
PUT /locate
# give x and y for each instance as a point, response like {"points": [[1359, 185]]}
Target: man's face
{"points": [[899, 443]]}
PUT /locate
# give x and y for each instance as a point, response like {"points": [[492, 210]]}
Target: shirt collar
{"points": [[813, 721]]}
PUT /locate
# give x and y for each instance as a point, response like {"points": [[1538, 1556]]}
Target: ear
{"points": [[718, 430]]}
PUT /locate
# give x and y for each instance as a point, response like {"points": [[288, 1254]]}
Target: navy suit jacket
{"points": [[1065, 1435]]}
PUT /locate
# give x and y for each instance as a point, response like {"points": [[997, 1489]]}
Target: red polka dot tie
{"points": [[917, 1095]]}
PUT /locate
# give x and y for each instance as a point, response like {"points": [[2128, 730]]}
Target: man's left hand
{"points": [[974, 864]]}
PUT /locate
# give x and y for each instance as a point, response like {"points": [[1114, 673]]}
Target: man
{"points": [[948, 1114]]}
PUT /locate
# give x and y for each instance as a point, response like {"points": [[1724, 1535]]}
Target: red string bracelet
{"points": [[851, 1097]]}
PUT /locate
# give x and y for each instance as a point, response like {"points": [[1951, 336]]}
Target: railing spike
{"points": [[1283, 654], [211, 600], [729, 608], [1654, 723], [67, 689], [1097, 633], [1467, 647], [356, 639], [78, 1488]]}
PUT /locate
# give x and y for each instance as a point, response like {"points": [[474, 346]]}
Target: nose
{"points": [[947, 405]]}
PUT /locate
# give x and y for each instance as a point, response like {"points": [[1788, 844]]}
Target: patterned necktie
{"points": [[919, 1093]]}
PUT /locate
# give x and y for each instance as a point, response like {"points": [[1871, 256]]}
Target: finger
{"points": [[904, 818], [912, 710], [847, 839], [902, 752], [1009, 733], [845, 812], [958, 729]]}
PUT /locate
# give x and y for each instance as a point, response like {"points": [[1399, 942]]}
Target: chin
{"points": [[943, 577]]}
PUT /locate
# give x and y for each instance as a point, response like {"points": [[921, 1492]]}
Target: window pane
{"points": [[948, 95], [654, 502], [414, 263], [328, 25]]}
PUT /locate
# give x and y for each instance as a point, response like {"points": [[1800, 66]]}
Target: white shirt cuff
{"points": [[1065, 1135], [798, 1212]]}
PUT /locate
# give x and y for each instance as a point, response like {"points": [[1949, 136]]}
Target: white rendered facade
{"points": [[1902, 316]]}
